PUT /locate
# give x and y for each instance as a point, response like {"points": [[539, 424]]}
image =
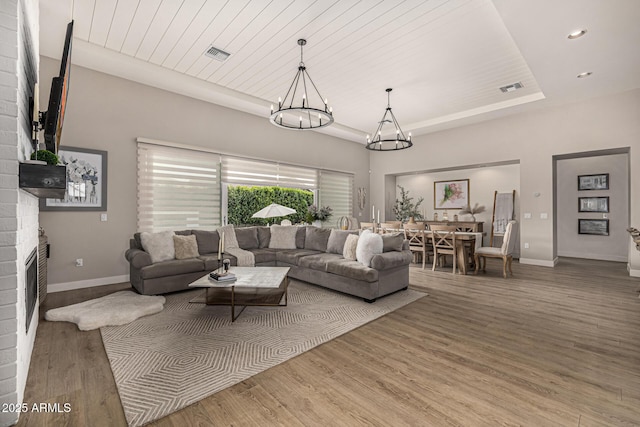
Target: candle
{"points": [[378, 216], [219, 248], [222, 243], [373, 213]]}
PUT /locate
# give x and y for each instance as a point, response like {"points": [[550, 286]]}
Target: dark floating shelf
{"points": [[43, 181]]}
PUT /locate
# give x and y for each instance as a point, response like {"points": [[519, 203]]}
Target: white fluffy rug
{"points": [[116, 309]]}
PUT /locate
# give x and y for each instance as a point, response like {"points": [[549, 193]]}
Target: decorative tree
{"points": [[405, 208]]}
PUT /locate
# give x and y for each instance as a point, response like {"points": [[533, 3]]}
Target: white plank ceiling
{"points": [[445, 59]]}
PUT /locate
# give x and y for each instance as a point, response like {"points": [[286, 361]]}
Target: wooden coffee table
{"points": [[255, 286]]}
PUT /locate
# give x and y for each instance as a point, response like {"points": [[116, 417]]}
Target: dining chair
{"points": [[505, 252], [367, 226], [418, 240], [391, 227], [444, 243]]}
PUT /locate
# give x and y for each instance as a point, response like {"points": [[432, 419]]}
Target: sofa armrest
{"points": [[138, 258], [391, 259]]}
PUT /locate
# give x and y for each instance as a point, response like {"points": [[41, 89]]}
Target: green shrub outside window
{"points": [[243, 201]]}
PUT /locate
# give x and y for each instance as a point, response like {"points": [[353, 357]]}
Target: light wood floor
{"points": [[548, 347]]}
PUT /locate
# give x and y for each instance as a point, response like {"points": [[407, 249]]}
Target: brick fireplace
{"points": [[19, 59]]}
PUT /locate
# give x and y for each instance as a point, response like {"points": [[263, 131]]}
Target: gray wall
{"points": [[533, 138], [109, 113], [612, 247]]}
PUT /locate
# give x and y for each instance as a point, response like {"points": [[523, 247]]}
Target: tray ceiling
{"points": [[445, 59]]}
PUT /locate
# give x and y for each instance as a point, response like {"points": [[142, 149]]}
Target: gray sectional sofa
{"points": [[317, 259]]}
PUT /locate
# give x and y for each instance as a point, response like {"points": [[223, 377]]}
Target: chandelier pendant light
{"points": [[396, 140], [301, 109]]}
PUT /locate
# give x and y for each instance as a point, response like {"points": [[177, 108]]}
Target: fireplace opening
{"points": [[31, 288]]}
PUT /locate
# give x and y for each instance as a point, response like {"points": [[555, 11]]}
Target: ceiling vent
{"points": [[217, 54], [512, 87]]}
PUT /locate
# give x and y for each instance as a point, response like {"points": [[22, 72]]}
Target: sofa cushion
{"points": [[392, 242], [185, 246], [159, 245], [300, 236], [317, 238], [264, 236], [369, 244], [283, 237], [352, 270], [350, 245], [318, 261], [391, 259], [335, 244], [247, 237], [293, 256], [263, 255], [207, 241], [172, 268]]}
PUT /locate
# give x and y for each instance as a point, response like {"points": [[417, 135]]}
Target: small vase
{"points": [[412, 220], [317, 223]]}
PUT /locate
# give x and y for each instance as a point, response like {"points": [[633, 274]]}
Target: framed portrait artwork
{"points": [[598, 181], [451, 194], [86, 181]]}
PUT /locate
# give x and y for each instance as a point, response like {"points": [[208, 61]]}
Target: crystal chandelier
{"points": [[301, 109], [393, 142]]}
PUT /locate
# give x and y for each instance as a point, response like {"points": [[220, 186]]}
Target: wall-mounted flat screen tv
{"points": [[58, 97]]}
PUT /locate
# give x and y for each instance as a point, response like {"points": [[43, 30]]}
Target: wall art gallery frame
{"points": [[451, 194], [86, 181], [598, 227], [599, 181], [593, 204]]}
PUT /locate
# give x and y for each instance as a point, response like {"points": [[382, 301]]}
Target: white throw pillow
{"points": [[283, 236], [350, 246], [369, 244], [159, 245]]}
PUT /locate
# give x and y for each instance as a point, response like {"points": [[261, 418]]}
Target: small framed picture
{"points": [[451, 194], [593, 204], [598, 181], [598, 227]]}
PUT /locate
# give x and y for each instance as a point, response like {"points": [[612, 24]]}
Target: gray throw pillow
{"points": [[159, 245], [392, 242], [335, 244], [186, 246], [317, 238], [247, 237], [283, 237]]}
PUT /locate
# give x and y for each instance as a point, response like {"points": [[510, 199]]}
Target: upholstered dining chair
{"points": [[504, 252], [443, 238], [418, 240]]}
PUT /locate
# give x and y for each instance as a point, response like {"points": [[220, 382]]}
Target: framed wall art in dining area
{"points": [[86, 181], [598, 181], [598, 227], [451, 194], [593, 204]]}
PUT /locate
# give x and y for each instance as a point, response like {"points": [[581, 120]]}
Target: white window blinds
{"points": [[336, 191], [177, 188], [239, 171]]}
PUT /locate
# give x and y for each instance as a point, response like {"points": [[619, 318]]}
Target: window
{"points": [[177, 188], [336, 191], [239, 171]]}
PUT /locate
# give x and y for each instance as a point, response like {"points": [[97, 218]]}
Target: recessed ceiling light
{"points": [[583, 75], [576, 34]]}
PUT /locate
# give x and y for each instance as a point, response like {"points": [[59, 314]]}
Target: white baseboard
{"points": [[60, 287], [540, 262], [632, 271], [602, 257]]}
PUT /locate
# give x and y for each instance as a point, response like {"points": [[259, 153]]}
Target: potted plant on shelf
{"points": [[45, 156], [315, 214], [404, 208]]}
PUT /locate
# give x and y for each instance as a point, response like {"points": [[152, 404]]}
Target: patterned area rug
{"points": [[164, 362]]}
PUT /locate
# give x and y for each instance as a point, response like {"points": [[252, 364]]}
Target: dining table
{"points": [[469, 243]]}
